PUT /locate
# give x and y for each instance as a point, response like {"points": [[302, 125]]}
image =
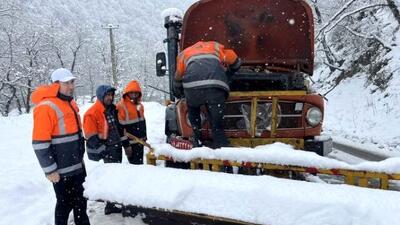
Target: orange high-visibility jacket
{"points": [[95, 127], [131, 114], [201, 65], [56, 136], [94, 121]]}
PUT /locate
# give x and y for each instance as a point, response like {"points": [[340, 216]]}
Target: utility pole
{"points": [[114, 79]]}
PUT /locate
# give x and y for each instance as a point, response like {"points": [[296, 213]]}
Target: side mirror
{"points": [[161, 64]]}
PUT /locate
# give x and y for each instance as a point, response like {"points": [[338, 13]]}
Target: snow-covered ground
{"points": [[360, 112], [27, 197], [353, 113]]}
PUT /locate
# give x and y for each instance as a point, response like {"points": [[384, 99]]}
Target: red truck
{"points": [[270, 100]]}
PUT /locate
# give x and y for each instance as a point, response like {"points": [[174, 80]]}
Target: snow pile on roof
{"points": [[277, 153], [255, 199]]}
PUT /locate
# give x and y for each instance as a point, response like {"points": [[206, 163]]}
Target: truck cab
{"points": [[270, 99]]}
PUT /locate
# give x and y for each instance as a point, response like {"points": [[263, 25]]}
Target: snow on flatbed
{"points": [[255, 199], [277, 153]]}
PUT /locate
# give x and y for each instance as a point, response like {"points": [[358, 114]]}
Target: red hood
{"points": [[262, 32], [45, 91]]}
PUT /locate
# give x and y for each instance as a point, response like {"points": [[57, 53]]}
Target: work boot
{"points": [[197, 139], [129, 211], [197, 143], [111, 208]]}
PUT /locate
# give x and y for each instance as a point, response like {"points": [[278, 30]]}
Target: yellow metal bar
{"points": [[215, 167], [362, 182], [151, 160], [266, 93], [349, 179], [384, 183], [253, 118], [395, 176], [350, 176], [244, 142], [274, 116], [253, 142]]}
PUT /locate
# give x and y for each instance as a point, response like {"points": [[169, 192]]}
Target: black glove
{"points": [[178, 89], [234, 67]]}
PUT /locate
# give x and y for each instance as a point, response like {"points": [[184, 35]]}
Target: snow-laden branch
{"points": [[370, 36], [333, 66], [17, 84], [347, 5], [332, 23], [354, 12]]}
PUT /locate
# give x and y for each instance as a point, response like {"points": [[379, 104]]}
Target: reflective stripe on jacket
{"points": [[131, 117], [201, 65], [56, 136]]}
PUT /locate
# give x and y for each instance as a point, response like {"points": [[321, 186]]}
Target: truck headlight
{"points": [[314, 116]]}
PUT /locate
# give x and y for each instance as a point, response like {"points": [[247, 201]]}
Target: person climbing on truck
{"points": [[202, 76]]}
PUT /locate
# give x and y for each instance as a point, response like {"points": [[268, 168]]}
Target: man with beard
{"points": [[104, 135]]}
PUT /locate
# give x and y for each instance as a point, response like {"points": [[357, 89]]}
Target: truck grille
{"points": [[238, 116]]}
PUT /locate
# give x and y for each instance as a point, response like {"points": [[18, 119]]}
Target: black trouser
{"points": [[214, 100], [137, 154], [69, 194], [114, 156]]}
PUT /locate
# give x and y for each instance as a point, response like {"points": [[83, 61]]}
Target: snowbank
{"points": [[256, 199]]}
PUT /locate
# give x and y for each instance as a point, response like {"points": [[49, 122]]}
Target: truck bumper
{"points": [[322, 145]]}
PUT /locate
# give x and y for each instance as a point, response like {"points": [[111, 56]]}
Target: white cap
{"points": [[62, 75]]}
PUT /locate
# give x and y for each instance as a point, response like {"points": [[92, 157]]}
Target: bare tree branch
{"points": [[334, 17], [352, 13], [370, 36]]}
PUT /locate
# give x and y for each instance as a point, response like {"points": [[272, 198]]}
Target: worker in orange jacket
{"points": [[202, 76], [131, 116], [104, 135], [59, 145]]}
